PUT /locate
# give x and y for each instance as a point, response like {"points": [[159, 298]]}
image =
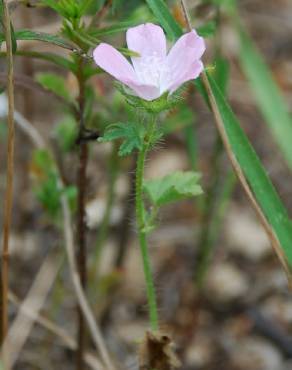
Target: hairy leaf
{"points": [[173, 187], [131, 133]]}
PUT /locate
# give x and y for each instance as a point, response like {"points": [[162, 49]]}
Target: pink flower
{"points": [[154, 72]]}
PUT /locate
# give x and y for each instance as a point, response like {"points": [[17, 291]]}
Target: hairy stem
{"points": [[140, 214], [9, 176]]}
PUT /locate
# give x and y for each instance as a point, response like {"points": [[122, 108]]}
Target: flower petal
{"points": [[146, 92], [183, 61], [114, 63], [149, 41], [191, 73]]}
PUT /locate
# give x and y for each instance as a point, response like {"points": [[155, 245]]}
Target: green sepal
{"points": [[163, 103]]}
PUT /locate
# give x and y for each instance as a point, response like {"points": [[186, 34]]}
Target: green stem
{"points": [[140, 210]]}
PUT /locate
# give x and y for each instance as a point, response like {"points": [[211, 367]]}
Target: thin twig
{"points": [[9, 176], [237, 169], [55, 329]]}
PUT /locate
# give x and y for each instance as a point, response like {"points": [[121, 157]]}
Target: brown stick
{"points": [[81, 227], [9, 177], [237, 169]]}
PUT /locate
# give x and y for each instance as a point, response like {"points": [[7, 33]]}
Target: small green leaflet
{"points": [[110, 30], [173, 187], [55, 84], [66, 133], [208, 29], [132, 134], [46, 188]]}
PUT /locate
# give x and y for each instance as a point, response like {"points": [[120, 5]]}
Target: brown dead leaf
{"points": [[157, 352]]}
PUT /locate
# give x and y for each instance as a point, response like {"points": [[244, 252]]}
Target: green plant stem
{"points": [[140, 213]]}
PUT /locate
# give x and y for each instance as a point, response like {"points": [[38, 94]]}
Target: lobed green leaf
{"points": [[173, 187], [131, 133]]}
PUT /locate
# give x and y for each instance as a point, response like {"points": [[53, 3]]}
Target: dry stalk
{"points": [[56, 330], [34, 301], [9, 177]]}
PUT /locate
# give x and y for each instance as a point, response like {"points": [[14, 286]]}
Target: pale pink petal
{"points": [[183, 61], [191, 73], [114, 63], [149, 41], [146, 92]]}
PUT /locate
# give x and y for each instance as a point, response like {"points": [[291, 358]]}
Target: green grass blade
{"points": [[267, 95], [265, 193], [161, 12]]}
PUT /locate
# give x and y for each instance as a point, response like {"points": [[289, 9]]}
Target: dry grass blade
{"points": [[34, 301], [56, 330], [93, 328]]}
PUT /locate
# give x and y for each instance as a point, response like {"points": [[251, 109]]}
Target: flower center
{"points": [[150, 68]]}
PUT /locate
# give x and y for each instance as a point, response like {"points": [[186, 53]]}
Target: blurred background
{"points": [[222, 293]]}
